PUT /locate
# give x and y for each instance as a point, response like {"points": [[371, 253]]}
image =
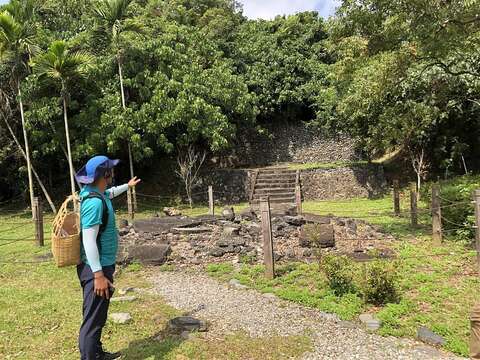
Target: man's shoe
{"points": [[108, 356]]}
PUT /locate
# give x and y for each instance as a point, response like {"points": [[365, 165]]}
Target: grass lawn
{"points": [[40, 311]]}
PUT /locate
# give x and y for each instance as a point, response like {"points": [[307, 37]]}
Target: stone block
{"points": [[149, 254]]}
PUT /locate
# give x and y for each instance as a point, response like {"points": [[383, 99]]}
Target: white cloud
{"points": [[268, 9]]}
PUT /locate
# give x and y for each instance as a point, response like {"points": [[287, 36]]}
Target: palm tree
{"points": [[16, 46], [113, 22], [62, 65]]}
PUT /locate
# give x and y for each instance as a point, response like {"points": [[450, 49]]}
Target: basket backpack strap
{"points": [[105, 215]]}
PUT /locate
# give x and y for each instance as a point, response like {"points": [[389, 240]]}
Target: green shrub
{"points": [[339, 271], [381, 283], [459, 219]]}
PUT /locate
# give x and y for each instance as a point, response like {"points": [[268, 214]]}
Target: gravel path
{"points": [[228, 310]]}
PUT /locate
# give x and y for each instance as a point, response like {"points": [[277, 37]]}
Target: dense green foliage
{"points": [[398, 75]]}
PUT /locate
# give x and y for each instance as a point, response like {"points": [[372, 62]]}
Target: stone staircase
{"points": [[277, 183]]}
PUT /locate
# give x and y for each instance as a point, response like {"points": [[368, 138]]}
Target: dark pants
{"points": [[95, 309]]}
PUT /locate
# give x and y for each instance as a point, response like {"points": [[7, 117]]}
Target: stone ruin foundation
{"points": [[229, 237]]}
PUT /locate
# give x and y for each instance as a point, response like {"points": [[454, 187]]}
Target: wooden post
{"points": [[413, 205], [269, 260], [396, 197], [476, 199], [130, 205], [211, 207], [298, 199], [38, 220], [436, 215]]}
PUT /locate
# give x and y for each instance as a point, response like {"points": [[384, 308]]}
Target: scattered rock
{"points": [[231, 230], [307, 253], [122, 223], [169, 211], [238, 241], [196, 261], [194, 230], [223, 242], [247, 214], [426, 335], [216, 252], [181, 324], [120, 318], [294, 220], [228, 214]]}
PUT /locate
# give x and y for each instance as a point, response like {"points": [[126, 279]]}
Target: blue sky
{"points": [[268, 9]]}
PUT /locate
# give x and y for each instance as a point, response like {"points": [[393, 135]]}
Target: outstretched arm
{"points": [[118, 190]]}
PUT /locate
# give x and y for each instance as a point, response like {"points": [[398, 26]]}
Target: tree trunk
{"points": [[45, 192], [130, 157], [27, 148], [67, 135], [419, 179]]}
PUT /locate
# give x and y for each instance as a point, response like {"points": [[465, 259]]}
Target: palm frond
{"points": [[111, 11], [59, 63]]}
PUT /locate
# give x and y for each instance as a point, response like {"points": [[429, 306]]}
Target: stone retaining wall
{"points": [[365, 181], [284, 143]]}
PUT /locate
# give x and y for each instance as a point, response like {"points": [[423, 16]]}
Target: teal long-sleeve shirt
{"points": [[91, 218]]}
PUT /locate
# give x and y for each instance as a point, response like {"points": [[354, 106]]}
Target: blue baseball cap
{"points": [[95, 168]]}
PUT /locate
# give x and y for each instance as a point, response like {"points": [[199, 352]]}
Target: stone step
{"points": [[274, 190], [275, 181], [285, 186], [277, 171], [277, 177], [277, 199]]}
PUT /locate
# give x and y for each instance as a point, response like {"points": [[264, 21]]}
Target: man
{"points": [[98, 251], [475, 332]]}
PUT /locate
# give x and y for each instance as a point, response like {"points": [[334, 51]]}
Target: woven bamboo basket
{"points": [[66, 234]]}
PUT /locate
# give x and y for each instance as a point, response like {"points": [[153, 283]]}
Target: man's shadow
{"points": [[156, 347]]}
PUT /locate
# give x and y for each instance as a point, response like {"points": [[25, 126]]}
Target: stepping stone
{"points": [[270, 296], [364, 318], [181, 324], [120, 318], [370, 321], [236, 284], [428, 336], [123, 299], [124, 291], [373, 325]]}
